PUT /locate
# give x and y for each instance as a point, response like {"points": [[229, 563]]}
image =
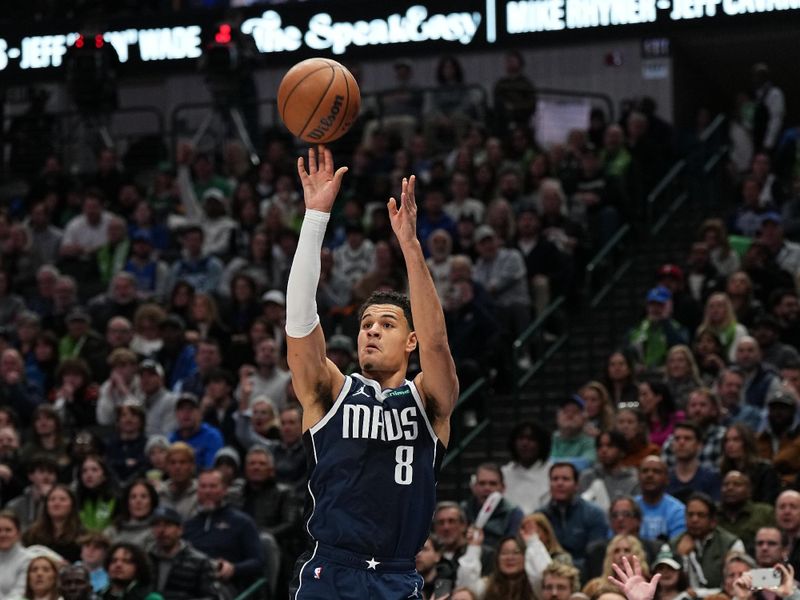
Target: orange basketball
{"points": [[318, 100]]}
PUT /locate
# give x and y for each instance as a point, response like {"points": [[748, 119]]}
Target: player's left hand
{"points": [[404, 219]]}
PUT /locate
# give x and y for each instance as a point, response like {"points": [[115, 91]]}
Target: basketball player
{"points": [[374, 441]]}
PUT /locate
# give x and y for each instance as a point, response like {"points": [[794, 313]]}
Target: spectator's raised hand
{"points": [[630, 580], [742, 586], [787, 586]]}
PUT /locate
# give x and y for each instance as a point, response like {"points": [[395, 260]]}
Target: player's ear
{"points": [[411, 342]]}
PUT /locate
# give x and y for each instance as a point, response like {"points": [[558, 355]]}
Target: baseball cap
{"points": [[274, 296], [167, 514], [187, 398], [670, 270], [574, 399], [665, 557], [483, 232], [173, 321], [213, 192], [782, 396], [342, 343], [149, 364], [771, 216], [228, 453], [659, 294]]}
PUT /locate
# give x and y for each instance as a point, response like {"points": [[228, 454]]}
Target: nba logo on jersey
{"points": [[317, 572]]}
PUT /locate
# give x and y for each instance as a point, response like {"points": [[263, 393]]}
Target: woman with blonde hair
{"points": [[619, 546], [682, 374], [720, 319], [746, 306], [538, 523], [715, 235], [599, 410]]}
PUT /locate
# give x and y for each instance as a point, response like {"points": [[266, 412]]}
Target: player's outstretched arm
{"points": [[313, 375], [437, 382]]}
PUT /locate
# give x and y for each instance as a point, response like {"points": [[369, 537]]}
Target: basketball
{"points": [[318, 100]]}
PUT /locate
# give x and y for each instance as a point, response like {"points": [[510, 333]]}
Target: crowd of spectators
{"points": [[683, 455], [149, 432]]}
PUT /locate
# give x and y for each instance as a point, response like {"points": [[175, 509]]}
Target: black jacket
{"points": [[190, 575]]}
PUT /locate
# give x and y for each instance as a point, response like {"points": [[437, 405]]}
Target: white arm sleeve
{"points": [[301, 292]]}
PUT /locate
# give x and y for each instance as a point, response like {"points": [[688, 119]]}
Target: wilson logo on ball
{"points": [[325, 123]]}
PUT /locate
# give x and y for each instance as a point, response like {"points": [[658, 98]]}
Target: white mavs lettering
{"points": [[376, 423]]}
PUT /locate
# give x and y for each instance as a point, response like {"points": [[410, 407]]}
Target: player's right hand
{"points": [[320, 183]]}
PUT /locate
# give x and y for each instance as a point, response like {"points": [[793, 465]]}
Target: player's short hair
{"points": [[558, 569], [393, 298]]}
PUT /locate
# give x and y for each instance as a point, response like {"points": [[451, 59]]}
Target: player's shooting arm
{"points": [[437, 382], [312, 373]]}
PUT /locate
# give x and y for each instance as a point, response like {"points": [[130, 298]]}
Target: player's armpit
{"points": [[316, 380]]}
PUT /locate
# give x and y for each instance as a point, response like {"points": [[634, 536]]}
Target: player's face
{"points": [[384, 338]]}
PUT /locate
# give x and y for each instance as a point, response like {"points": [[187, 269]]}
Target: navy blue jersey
{"points": [[373, 464]]}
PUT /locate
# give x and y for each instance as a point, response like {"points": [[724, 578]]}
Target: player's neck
{"points": [[386, 379]]}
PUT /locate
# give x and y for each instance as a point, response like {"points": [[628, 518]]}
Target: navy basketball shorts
{"points": [[329, 573]]}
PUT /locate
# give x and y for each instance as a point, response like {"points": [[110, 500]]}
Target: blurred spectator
{"points": [[560, 581], [682, 375], [738, 514], [95, 493], [514, 94], [729, 388], [785, 253], [266, 379], [723, 258], [771, 547], [159, 403], [450, 528], [176, 355], [87, 232], [619, 380], [784, 305], [598, 200], [204, 439], [608, 479], [46, 438], [217, 404], [208, 357], [527, 474], [657, 333], [704, 543], [289, 452], [180, 571], [143, 264], [42, 578], [720, 319], [133, 512], [45, 238], [506, 518], [703, 411], [740, 453], [769, 110], [787, 517], [125, 453], [688, 474], [427, 565], [658, 407], [760, 380], [81, 341], [461, 204], [632, 424], [122, 386], [15, 558], [662, 515], [58, 524], [685, 308], [621, 545], [75, 583], [16, 391], [94, 547], [129, 572], [747, 218], [570, 443], [766, 331], [119, 333], [180, 490], [202, 271], [42, 475], [576, 522], [227, 535], [599, 410]]}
